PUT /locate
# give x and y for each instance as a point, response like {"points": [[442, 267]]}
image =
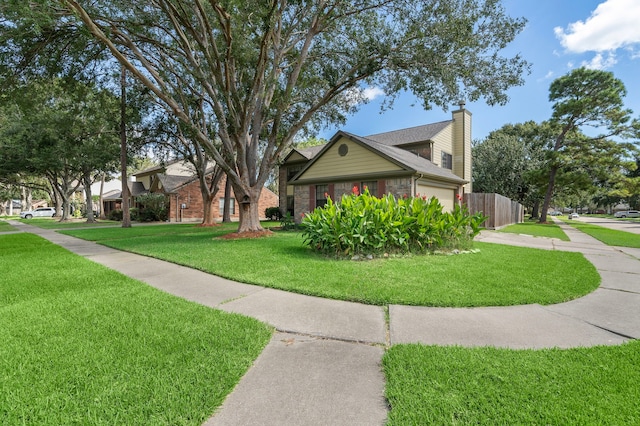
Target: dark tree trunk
{"points": [[87, 191], [226, 213]]}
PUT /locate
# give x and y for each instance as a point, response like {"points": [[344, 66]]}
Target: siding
{"points": [[462, 146], [295, 157], [443, 141], [358, 161]]}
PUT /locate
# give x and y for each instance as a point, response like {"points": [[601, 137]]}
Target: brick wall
{"points": [[398, 187], [190, 196]]}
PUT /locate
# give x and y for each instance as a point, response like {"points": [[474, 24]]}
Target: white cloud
{"points": [[600, 62], [370, 93], [614, 24]]}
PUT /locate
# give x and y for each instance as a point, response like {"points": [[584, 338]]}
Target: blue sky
{"points": [[560, 35]]}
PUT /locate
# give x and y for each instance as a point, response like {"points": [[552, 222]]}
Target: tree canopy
{"points": [[60, 129], [268, 70], [585, 101]]}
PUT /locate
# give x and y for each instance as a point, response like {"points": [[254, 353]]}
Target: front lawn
{"points": [[548, 230], [54, 223], [497, 275], [5, 227], [82, 344], [608, 236], [488, 386]]}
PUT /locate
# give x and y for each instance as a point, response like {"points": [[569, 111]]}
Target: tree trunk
{"points": [[209, 214], [536, 209], [87, 191], [209, 191], [249, 214], [126, 214], [58, 203], [226, 213], [101, 206], [66, 207], [25, 199], [549, 194]]}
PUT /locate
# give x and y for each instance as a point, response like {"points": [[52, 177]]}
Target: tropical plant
{"points": [[364, 224]]}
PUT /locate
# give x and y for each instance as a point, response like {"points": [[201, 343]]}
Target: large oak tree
{"points": [[268, 69]]}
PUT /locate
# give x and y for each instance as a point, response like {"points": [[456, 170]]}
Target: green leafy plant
{"points": [[273, 213], [115, 215], [287, 223], [364, 224], [153, 207]]}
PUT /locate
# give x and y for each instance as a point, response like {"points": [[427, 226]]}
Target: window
{"points": [[321, 195], [232, 206], [447, 161], [290, 204], [292, 171], [372, 186]]}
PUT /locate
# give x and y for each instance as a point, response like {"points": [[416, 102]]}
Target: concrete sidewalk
{"points": [[322, 365]]}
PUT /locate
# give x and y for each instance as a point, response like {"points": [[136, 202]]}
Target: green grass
{"points": [[54, 223], [548, 230], [82, 344], [5, 227], [497, 275], [608, 236], [489, 386]]}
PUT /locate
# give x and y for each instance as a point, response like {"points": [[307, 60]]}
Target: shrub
{"points": [[273, 213], [115, 215], [287, 223], [153, 207], [364, 224], [134, 213]]}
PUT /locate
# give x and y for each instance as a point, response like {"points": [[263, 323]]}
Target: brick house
{"points": [[179, 183], [429, 160]]}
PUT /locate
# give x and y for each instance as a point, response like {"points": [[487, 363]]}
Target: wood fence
{"points": [[501, 210]]}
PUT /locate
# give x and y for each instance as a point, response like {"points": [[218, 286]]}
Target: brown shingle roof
{"points": [[407, 159], [410, 135]]}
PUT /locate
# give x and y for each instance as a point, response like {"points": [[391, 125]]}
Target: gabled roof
{"points": [[136, 188], [307, 152], [171, 183], [408, 161], [411, 135], [310, 151], [154, 169]]}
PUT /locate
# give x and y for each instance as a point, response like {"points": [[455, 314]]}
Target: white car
{"points": [[39, 212], [627, 213], [574, 216]]}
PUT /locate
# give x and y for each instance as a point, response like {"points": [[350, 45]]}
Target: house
{"points": [[429, 160], [112, 200], [178, 181]]}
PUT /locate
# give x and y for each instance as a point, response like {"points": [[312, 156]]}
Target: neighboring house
{"points": [[429, 160], [112, 200], [178, 181]]}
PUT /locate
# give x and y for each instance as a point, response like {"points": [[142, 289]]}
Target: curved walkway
{"points": [[322, 365]]}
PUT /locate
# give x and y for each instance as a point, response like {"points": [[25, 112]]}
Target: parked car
{"points": [[574, 216], [555, 213], [627, 213], [39, 212]]}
